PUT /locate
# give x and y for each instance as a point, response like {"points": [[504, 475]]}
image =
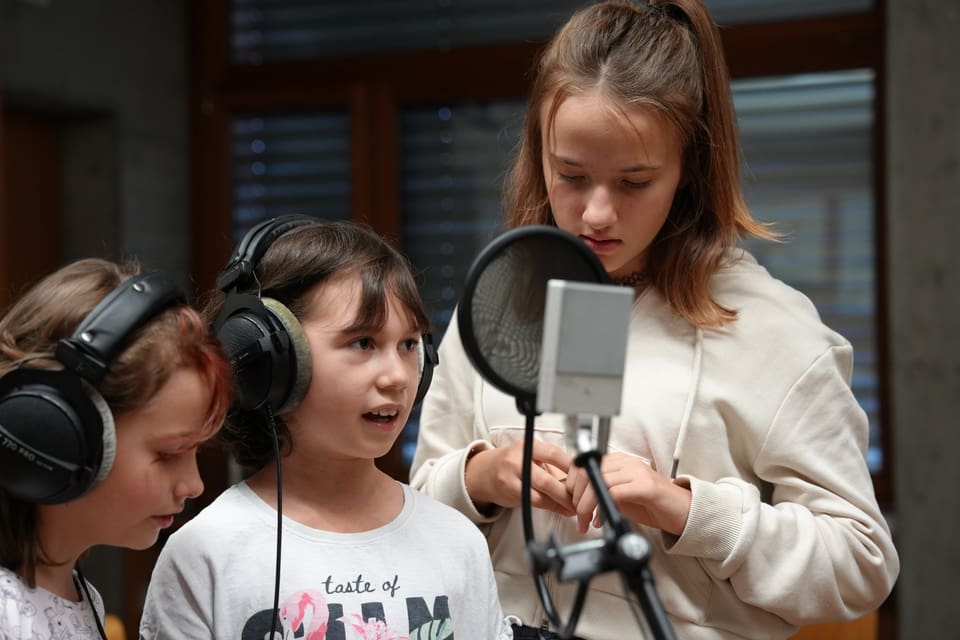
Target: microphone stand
{"points": [[621, 548], [541, 555]]}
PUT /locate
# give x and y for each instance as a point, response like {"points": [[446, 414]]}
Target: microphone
{"points": [[541, 321], [583, 354]]}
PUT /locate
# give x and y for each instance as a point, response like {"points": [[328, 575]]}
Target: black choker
{"points": [[637, 280]]}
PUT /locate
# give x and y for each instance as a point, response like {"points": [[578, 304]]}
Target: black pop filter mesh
{"points": [[501, 312]]}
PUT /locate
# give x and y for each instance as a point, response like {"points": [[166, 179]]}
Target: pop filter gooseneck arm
{"points": [[500, 318]]}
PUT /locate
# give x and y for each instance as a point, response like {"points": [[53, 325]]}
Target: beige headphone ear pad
{"points": [[301, 352], [421, 360], [109, 435]]}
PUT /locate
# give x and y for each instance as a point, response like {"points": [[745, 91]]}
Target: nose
{"points": [[600, 210], [394, 372], [189, 483]]}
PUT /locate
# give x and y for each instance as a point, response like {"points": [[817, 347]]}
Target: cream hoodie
{"points": [[759, 420]]}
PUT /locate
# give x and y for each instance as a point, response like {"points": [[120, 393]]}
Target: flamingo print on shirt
{"points": [[308, 615], [371, 629], [307, 608]]}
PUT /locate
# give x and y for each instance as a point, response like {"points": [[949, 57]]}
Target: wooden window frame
{"points": [[373, 88]]}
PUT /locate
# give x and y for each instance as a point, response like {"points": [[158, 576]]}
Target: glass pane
{"points": [[729, 12], [808, 148], [265, 30], [453, 164], [295, 163]]}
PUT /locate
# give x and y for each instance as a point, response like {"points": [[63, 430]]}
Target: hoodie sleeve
{"points": [[448, 434], [819, 532]]}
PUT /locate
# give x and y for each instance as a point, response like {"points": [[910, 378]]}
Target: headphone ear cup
{"points": [[57, 433], [243, 330], [427, 359], [262, 345], [300, 361]]}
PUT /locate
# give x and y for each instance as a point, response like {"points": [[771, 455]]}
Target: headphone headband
{"points": [[109, 326], [239, 271]]}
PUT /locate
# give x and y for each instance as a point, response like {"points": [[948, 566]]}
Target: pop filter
{"points": [[502, 308]]}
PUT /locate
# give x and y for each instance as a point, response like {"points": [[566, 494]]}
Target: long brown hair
{"points": [[665, 56], [50, 311], [289, 272]]}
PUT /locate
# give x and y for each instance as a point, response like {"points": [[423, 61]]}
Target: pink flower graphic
{"points": [[308, 608], [372, 629]]}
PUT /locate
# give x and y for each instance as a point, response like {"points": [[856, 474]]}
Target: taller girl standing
{"points": [[740, 448]]}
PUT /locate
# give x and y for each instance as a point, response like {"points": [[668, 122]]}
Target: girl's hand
{"points": [[642, 495], [494, 477]]}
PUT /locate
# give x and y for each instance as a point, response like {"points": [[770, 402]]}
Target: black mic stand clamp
{"points": [[621, 548]]}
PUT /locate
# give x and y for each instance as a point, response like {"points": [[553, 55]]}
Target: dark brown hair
{"points": [[665, 56], [51, 310], [290, 269]]}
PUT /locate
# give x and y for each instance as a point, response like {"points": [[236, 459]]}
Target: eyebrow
{"points": [[573, 163], [358, 330], [184, 436]]}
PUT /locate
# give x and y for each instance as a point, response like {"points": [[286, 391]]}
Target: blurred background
{"points": [[164, 129]]}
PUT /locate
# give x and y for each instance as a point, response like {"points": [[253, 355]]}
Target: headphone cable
{"points": [[81, 583], [276, 582]]}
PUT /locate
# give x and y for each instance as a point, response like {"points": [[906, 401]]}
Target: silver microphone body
{"points": [[583, 355]]}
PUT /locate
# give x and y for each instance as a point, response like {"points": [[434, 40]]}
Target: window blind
{"points": [[291, 163], [271, 30], [808, 148]]}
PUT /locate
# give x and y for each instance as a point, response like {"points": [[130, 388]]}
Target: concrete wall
{"points": [[923, 170], [113, 73]]}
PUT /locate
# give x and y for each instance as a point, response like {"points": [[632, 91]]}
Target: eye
{"points": [[168, 455], [410, 344], [363, 343], [569, 178], [630, 184]]}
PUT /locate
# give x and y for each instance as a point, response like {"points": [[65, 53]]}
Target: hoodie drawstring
{"points": [[691, 398]]}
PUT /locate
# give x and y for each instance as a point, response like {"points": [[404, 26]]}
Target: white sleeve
{"points": [[820, 526], [179, 600]]}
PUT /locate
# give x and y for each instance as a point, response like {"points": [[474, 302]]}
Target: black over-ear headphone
{"points": [[57, 435], [262, 338]]}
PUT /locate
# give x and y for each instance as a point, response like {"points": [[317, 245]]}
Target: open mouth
{"points": [[164, 521], [381, 416]]}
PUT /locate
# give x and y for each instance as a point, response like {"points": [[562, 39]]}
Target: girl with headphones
{"points": [[109, 384], [325, 329]]}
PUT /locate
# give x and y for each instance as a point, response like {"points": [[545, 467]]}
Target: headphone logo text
{"points": [[27, 454]]}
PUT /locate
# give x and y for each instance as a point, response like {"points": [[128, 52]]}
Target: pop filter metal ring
{"points": [[568, 258]]}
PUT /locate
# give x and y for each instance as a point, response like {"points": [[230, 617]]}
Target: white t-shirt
{"points": [[37, 614], [426, 574]]}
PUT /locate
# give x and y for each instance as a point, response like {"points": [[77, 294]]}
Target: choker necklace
{"points": [[637, 280]]}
